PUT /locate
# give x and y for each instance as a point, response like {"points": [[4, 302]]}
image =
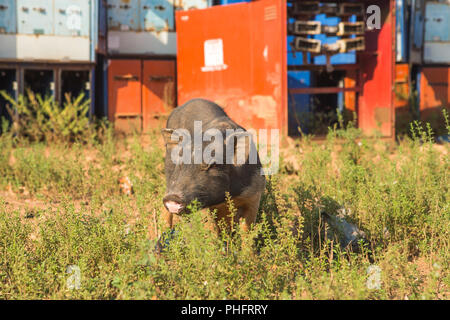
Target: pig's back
{"points": [[195, 110]]}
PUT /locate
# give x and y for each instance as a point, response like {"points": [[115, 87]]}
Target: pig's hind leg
{"points": [[248, 210]]}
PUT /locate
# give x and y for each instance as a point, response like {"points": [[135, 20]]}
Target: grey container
{"points": [[52, 30]]}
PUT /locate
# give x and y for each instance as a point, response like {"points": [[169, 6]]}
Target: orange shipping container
{"points": [[124, 94], [139, 92], [158, 91], [434, 94], [434, 88], [239, 63]]}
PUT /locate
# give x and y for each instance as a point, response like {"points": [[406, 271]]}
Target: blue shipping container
{"points": [[72, 18], [69, 27], [8, 16], [437, 33], [35, 17]]}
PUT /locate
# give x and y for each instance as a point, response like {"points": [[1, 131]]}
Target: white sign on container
{"points": [[213, 51]]}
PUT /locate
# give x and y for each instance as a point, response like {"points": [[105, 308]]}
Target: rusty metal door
{"points": [[124, 93], [239, 63], [158, 90], [434, 93]]}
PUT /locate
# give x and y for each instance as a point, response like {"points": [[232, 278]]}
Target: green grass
{"points": [[61, 205]]}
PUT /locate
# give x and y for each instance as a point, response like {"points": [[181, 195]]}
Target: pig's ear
{"points": [[166, 133], [244, 148]]}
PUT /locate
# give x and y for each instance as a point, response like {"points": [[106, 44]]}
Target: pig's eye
{"points": [[208, 166]]}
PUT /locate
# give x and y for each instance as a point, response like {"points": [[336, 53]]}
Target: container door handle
{"points": [[2, 7], [127, 77], [40, 9], [127, 115], [161, 78]]}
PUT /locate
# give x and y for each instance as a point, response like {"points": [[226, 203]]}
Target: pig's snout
{"points": [[173, 203]]}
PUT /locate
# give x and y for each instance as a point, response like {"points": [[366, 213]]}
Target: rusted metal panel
{"points": [[124, 93], [350, 97], [123, 15], [402, 86], [157, 15], [376, 100], [239, 63], [101, 26], [434, 88], [158, 90], [322, 90]]}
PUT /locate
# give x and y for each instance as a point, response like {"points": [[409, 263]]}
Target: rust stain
{"points": [[265, 107], [382, 115], [169, 96], [258, 111]]}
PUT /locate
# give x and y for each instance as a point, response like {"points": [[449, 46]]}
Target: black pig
{"points": [[209, 182]]}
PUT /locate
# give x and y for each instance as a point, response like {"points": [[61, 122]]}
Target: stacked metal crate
{"points": [[306, 25], [321, 33], [50, 46], [142, 60]]}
